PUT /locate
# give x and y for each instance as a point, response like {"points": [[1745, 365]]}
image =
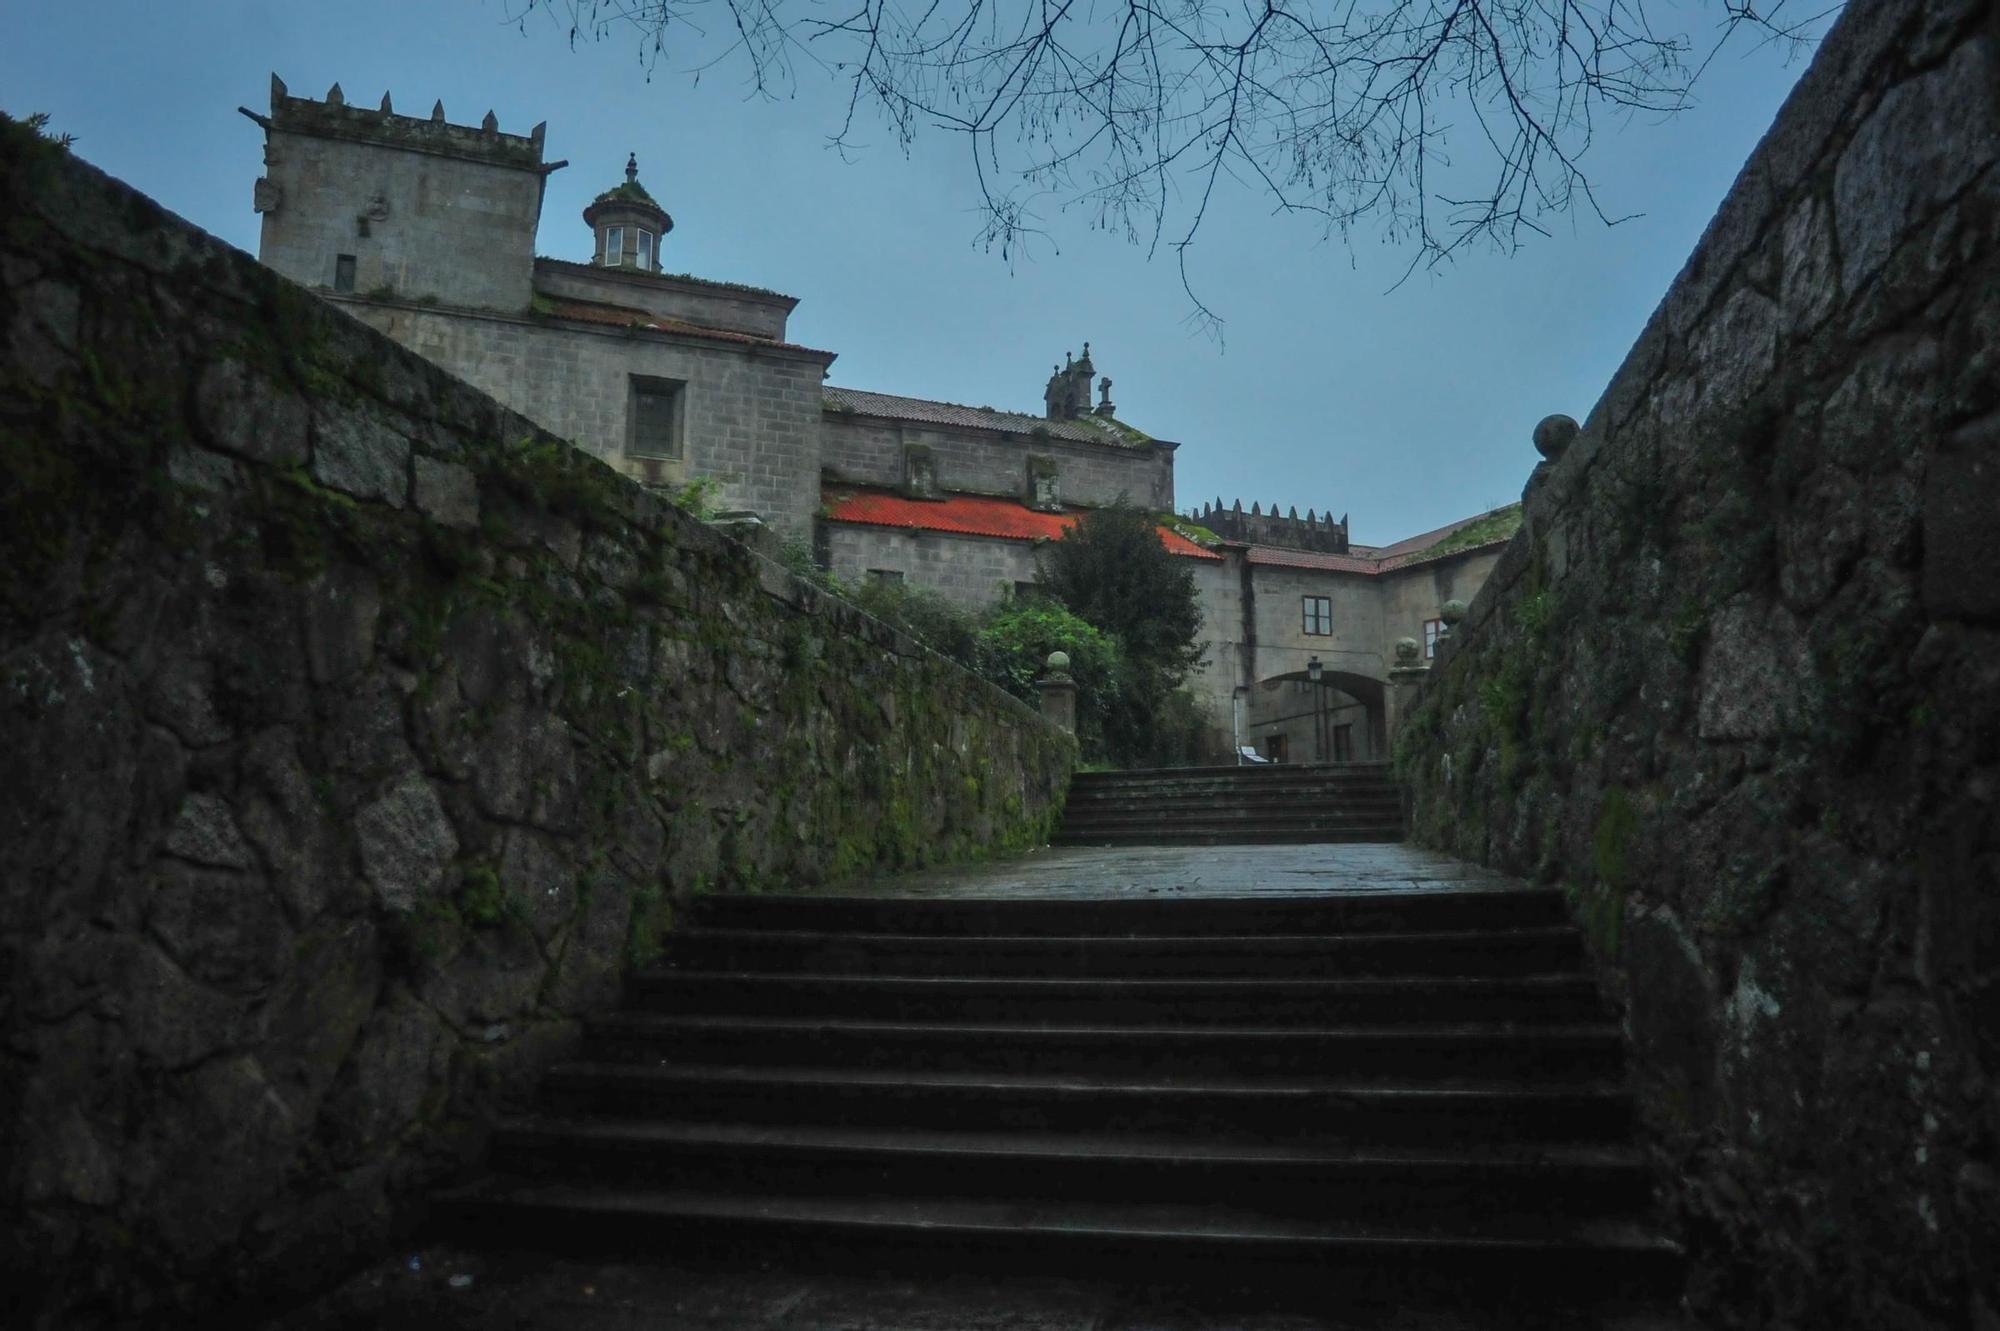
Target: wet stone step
{"points": [[1589, 1053], [1293, 1180], [1321, 1109], [1239, 836], [1359, 912], [1183, 1001], [1270, 956], [1529, 1248]]}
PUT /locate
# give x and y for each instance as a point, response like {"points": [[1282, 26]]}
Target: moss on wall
{"points": [[361, 737]]}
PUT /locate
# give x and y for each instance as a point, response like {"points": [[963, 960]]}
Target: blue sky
{"points": [[1406, 408]]}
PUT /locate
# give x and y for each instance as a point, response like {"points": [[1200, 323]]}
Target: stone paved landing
{"points": [[1127, 871]]}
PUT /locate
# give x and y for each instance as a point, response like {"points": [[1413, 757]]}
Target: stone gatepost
{"points": [[1058, 692], [1406, 677]]}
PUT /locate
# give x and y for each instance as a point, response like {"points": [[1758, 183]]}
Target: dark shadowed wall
{"points": [[1736, 686], [355, 738]]}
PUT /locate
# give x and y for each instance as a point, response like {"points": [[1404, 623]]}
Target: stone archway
{"points": [[1280, 710]]}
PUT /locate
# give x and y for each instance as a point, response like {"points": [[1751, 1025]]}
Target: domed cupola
{"points": [[627, 224]]}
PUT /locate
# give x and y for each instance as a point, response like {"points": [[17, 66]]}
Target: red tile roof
{"points": [[889, 406], [972, 515]]}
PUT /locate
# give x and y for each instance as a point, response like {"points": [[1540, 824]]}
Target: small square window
{"points": [[1317, 612], [614, 246], [343, 272], [656, 416], [1432, 627]]}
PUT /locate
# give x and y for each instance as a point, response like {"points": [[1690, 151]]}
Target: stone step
{"points": [[1290, 1179], [1247, 774], [1558, 998], [1568, 1054], [1140, 916], [1531, 1250], [1330, 787], [1461, 952], [1317, 1109], [1363, 801], [1219, 814], [1384, 834]]}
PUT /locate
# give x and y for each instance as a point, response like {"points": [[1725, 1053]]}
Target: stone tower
{"points": [[367, 201], [627, 225]]}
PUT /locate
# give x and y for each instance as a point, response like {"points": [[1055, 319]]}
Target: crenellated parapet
{"points": [[333, 118], [1321, 533]]}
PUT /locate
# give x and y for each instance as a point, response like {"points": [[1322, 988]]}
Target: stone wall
{"points": [[868, 451], [973, 572], [409, 199], [1736, 686], [359, 737], [750, 415]]}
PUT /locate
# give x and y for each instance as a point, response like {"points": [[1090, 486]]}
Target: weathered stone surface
{"points": [[243, 413], [327, 789], [1754, 631], [447, 493], [1961, 510], [1926, 141], [206, 833], [406, 841], [357, 454], [1754, 674]]}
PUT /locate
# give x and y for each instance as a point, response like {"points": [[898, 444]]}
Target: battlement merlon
{"points": [[333, 118]]}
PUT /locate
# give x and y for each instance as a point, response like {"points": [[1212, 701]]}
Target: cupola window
{"points": [[629, 226]]}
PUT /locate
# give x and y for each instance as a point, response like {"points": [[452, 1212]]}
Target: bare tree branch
{"points": [[1139, 111]]}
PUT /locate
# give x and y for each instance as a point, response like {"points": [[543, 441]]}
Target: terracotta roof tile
{"points": [[891, 407], [972, 515]]}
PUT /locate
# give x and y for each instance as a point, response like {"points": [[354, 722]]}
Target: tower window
{"points": [[1317, 612], [645, 249], [614, 246], [656, 416], [343, 272]]}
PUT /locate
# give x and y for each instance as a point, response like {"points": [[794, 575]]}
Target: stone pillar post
{"points": [[1406, 677], [1058, 692]]}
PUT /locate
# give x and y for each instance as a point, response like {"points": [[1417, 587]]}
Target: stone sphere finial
{"points": [[1058, 660], [1406, 651], [1554, 434], [1452, 611]]}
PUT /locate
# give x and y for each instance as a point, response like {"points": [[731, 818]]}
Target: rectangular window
{"points": [[1432, 627], [1318, 614], [884, 575], [343, 272], [645, 247], [614, 246], [1028, 591], [656, 415]]}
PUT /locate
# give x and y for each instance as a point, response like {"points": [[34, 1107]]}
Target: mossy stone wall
{"points": [[358, 738], [1736, 687]]}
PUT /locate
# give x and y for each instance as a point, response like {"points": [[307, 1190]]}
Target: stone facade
{"points": [[358, 200], [360, 735], [1734, 686], [582, 349]]}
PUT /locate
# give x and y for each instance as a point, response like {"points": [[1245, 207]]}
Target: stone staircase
{"points": [[1212, 806], [1416, 1087]]}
